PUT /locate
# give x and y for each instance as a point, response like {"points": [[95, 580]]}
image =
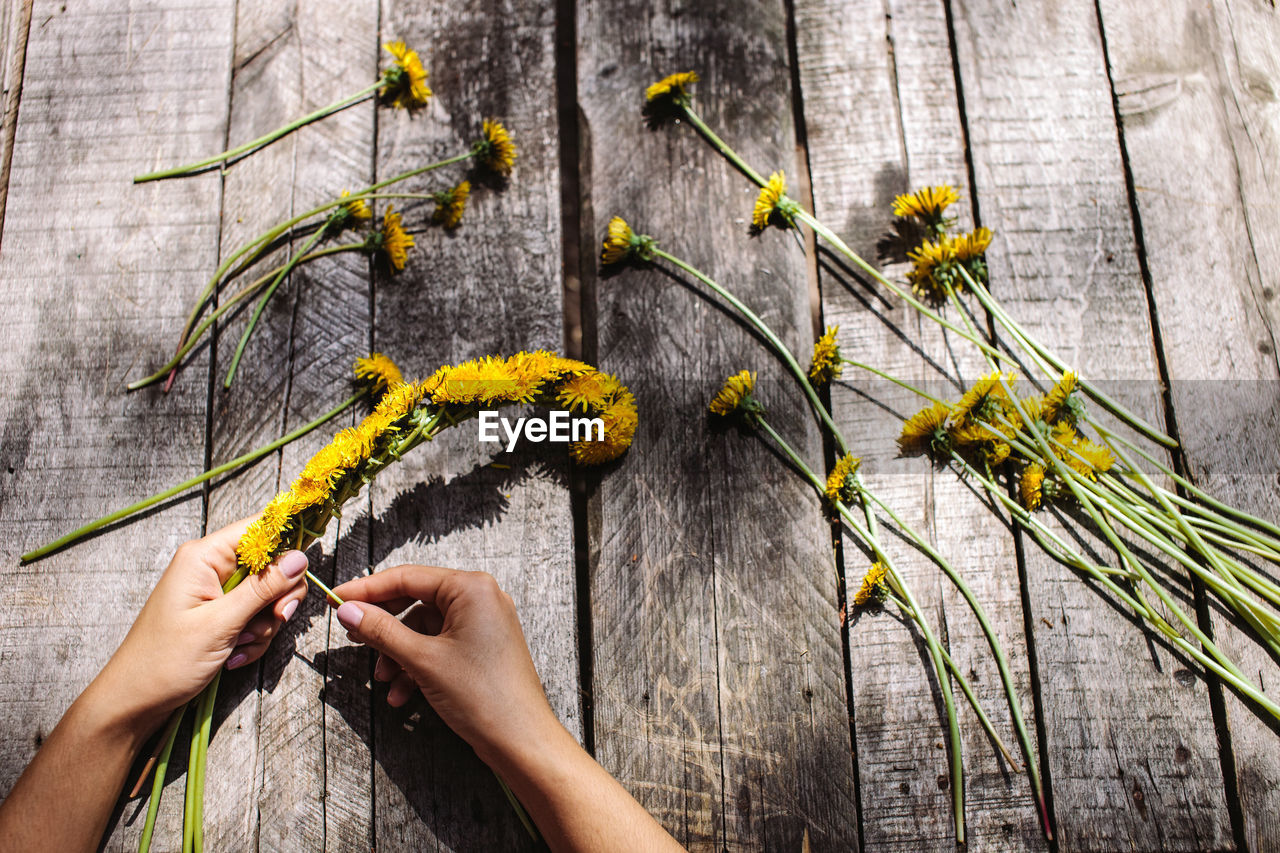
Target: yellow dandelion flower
{"points": [[995, 453], [735, 394], [378, 371], [673, 86], [496, 151], [1090, 458], [932, 268], [450, 205], [986, 401], [587, 389], [620, 421], [619, 240], [1031, 486], [924, 431], [926, 204], [772, 199], [262, 537], [356, 210], [396, 242], [840, 483], [1057, 402], [873, 586], [406, 81], [826, 363], [972, 246]]}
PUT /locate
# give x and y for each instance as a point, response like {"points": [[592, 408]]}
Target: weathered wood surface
{"points": [[719, 677], [881, 117], [1133, 760], [493, 286], [1214, 67], [96, 275], [718, 691]]}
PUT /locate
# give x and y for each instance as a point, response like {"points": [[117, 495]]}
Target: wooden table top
{"points": [[682, 605]]}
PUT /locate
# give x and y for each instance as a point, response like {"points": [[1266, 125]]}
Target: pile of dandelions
{"points": [[1034, 434]]}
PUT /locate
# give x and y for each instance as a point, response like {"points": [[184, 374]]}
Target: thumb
{"points": [[258, 590], [375, 627]]}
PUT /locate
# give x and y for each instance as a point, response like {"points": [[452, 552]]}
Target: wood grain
{"points": [[719, 696], [95, 277], [881, 117], [1213, 67], [1131, 746], [492, 286]]}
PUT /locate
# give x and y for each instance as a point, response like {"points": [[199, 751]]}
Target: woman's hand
{"points": [[188, 628], [460, 644]]}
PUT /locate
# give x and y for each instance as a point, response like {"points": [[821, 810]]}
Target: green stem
{"points": [[168, 737], [935, 648], [257, 284], [720, 145], [266, 297], [267, 237], [966, 688], [251, 456], [266, 139], [895, 380], [328, 593]]}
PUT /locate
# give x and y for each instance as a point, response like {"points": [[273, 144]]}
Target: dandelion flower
{"points": [[395, 241], [406, 81], [873, 586], [1031, 486], [263, 536], [924, 431], [772, 200], [972, 246], [378, 371], [1059, 402], [926, 204], [673, 87], [735, 395], [495, 150], [826, 358], [450, 205], [620, 419], [586, 390], [840, 483], [356, 210], [932, 268], [986, 401], [619, 240]]}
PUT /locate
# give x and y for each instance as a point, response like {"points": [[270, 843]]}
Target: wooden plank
{"points": [[91, 297], [1119, 715], [1213, 67], [881, 117], [719, 694], [290, 733], [490, 287]]}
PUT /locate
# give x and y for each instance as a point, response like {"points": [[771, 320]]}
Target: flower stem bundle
{"points": [[842, 489], [407, 415], [493, 152], [402, 84]]}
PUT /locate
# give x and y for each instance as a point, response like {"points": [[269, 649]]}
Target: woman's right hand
{"points": [[459, 642]]}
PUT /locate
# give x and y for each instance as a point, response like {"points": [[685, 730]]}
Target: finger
{"points": [[219, 547], [397, 606], [401, 690], [373, 626], [259, 590], [386, 668], [425, 619], [267, 623], [421, 583]]}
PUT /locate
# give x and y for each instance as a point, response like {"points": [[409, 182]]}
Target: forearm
{"points": [[64, 798], [574, 802]]}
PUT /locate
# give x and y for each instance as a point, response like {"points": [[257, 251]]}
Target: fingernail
{"points": [[350, 615], [237, 660], [288, 609], [293, 563], [246, 637]]}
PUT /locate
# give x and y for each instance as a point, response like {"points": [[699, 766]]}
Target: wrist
{"points": [[538, 752], [116, 712]]}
